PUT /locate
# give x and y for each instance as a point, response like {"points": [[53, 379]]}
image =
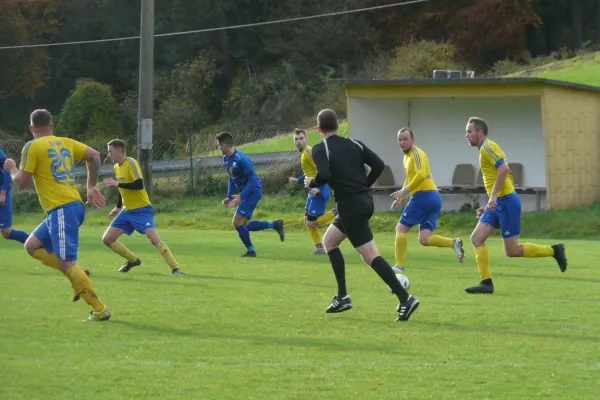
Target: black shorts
{"points": [[353, 218], [311, 218]]}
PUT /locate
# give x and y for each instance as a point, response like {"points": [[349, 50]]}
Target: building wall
{"points": [[439, 125], [571, 128]]}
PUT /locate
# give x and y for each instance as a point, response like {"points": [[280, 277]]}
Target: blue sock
{"points": [[19, 236], [259, 225], [245, 237]]}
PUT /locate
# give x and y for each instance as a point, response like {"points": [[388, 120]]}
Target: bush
{"points": [[419, 59]]}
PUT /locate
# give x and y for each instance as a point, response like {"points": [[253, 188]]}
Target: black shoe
{"points": [[176, 271], [482, 288], [249, 254], [407, 308], [339, 305], [560, 256], [278, 226], [129, 265]]}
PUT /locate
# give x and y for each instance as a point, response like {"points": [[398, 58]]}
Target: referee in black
{"points": [[341, 164]]}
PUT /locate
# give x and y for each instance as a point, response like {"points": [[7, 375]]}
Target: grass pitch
{"points": [[256, 329]]}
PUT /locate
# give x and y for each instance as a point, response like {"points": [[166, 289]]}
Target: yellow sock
{"points": [[440, 241], [315, 235], [48, 259], [531, 250], [326, 218], [401, 242], [482, 258], [167, 255], [123, 251], [82, 285]]}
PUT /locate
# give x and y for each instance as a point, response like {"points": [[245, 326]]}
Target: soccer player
{"points": [[6, 206], [133, 211], [315, 215], [425, 203], [49, 160], [341, 164], [243, 179], [503, 210]]}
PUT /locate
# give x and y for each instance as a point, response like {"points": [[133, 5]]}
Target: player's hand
{"points": [[307, 181], [479, 212], [110, 182], [9, 165], [226, 202], [2, 198], [314, 191], [235, 200], [293, 180], [399, 194], [113, 213], [95, 198], [396, 204], [491, 205]]}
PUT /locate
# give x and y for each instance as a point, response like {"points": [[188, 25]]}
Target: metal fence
{"points": [[184, 166]]}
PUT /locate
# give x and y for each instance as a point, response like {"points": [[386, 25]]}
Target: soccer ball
{"points": [[403, 281]]}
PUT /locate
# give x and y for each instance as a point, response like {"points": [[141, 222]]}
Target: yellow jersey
{"points": [[129, 172], [418, 175], [50, 160], [491, 157], [309, 167]]}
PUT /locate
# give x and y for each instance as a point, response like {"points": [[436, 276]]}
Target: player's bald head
{"points": [[40, 118], [406, 132]]}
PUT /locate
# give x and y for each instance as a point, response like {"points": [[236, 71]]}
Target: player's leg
{"points": [[487, 226], [509, 212], [332, 239], [400, 245], [6, 223], [246, 209], [63, 225], [121, 224], [39, 246], [323, 197], [240, 224], [310, 221], [163, 249]]}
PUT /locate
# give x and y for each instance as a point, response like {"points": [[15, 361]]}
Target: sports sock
{"points": [[401, 243], [254, 226], [439, 241], [123, 251], [48, 259], [245, 237], [315, 235], [482, 258], [19, 236], [325, 218], [339, 270], [82, 285], [531, 250], [387, 274], [166, 254]]}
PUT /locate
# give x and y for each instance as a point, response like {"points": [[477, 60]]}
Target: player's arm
{"points": [[22, 176], [138, 184], [5, 182], [493, 154], [419, 168], [322, 164], [230, 188], [92, 161], [375, 162]]}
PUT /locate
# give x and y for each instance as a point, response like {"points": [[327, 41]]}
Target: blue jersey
{"points": [[242, 176], [5, 178]]}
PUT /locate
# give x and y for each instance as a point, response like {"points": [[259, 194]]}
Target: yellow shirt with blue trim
{"points": [[50, 160], [129, 172], [418, 175], [307, 163], [491, 157]]}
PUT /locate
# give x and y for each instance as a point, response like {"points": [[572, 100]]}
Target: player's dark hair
{"points": [[480, 124], [327, 120], [118, 143], [412, 135], [225, 138], [299, 131], [41, 118]]}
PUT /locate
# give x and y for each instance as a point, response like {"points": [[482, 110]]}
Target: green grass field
{"points": [[256, 329]]}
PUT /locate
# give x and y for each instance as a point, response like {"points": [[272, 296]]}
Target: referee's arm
{"points": [[375, 163], [322, 164]]}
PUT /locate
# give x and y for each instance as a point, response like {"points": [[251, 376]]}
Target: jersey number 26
{"points": [[62, 165]]}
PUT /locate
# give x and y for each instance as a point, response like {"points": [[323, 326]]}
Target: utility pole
{"points": [[146, 98]]}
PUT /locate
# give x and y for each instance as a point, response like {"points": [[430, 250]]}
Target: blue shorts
{"points": [[248, 205], [59, 232], [6, 212], [506, 216], [139, 220], [315, 205], [423, 209]]}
